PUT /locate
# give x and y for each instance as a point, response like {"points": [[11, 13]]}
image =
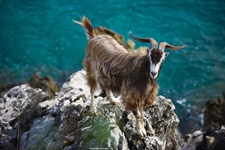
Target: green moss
{"points": [[96, 133]]}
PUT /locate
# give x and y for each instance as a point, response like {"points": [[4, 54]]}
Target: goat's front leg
{"points": [[149, 127], [139, 115], [110, 96]]}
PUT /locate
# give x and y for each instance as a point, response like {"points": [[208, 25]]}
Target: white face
{"points": [[154, 70], [156, 59]]}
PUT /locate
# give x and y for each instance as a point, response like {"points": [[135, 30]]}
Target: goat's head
{"points": [[156, 55]]}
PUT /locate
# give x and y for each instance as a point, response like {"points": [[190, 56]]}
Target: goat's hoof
{"points": [[149, 133], [114, 103], [93, 111], [150, 130], [141, 133]]}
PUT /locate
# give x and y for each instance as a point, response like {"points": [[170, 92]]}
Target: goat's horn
{"points": [[153, 42], [164, 45]]}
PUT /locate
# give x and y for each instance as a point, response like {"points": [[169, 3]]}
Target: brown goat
{"points": [[134, 77]]}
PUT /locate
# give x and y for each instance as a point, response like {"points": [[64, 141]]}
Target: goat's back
{"points": [[106, 44]]}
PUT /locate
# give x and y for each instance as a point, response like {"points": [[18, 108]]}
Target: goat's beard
{"points": [[154, 77]]}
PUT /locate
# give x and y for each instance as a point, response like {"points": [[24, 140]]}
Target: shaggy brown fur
{"points": [[110, 65]]}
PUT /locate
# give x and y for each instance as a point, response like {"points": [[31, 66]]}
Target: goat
{"points": [[134, 77]]}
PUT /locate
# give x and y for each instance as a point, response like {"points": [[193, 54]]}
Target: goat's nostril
{"points": [[153, 73]]}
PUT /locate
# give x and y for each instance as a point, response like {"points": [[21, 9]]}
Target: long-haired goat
{"points": [[134, 77]]}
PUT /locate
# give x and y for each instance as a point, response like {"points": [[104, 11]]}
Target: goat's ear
{"points": [[166, 54]]}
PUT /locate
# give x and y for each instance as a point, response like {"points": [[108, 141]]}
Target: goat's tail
{"points": [[86, 24]]}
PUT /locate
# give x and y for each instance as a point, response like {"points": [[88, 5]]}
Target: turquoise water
{"points": [[40, 37]]}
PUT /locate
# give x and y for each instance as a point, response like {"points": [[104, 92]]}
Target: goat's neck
{"points": [[145, 69]]}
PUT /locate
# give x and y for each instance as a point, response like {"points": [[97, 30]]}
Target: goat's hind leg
{"points": [[110, 96], [93, 86], [149, 128], [93, 108]]}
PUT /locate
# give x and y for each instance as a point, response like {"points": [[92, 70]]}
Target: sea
{"points": [[39, 37]]}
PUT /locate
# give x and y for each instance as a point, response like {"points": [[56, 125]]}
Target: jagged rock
{"points": [[7, 136], [65, 122], [130, 44], [214, 113], [205, 139], [47, 84], [17, 108], [163, 120], [18, 99], [214, 121], [5, 88], [35, 138]]}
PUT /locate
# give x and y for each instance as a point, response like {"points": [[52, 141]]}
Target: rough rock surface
{"points": [[214, 113], [163, 120], [29, 121], [213, 127]]}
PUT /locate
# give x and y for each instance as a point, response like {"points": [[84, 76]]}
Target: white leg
{"points": [[149, 127], [110, 96], [142, 115], [93, 105], [140, 123]]}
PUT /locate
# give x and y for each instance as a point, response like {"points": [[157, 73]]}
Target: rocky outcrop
{"points": [[214, 113], [212, 132], [47, 84], [207, 139], [29, 121], [163, 120], [18, 107]]}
